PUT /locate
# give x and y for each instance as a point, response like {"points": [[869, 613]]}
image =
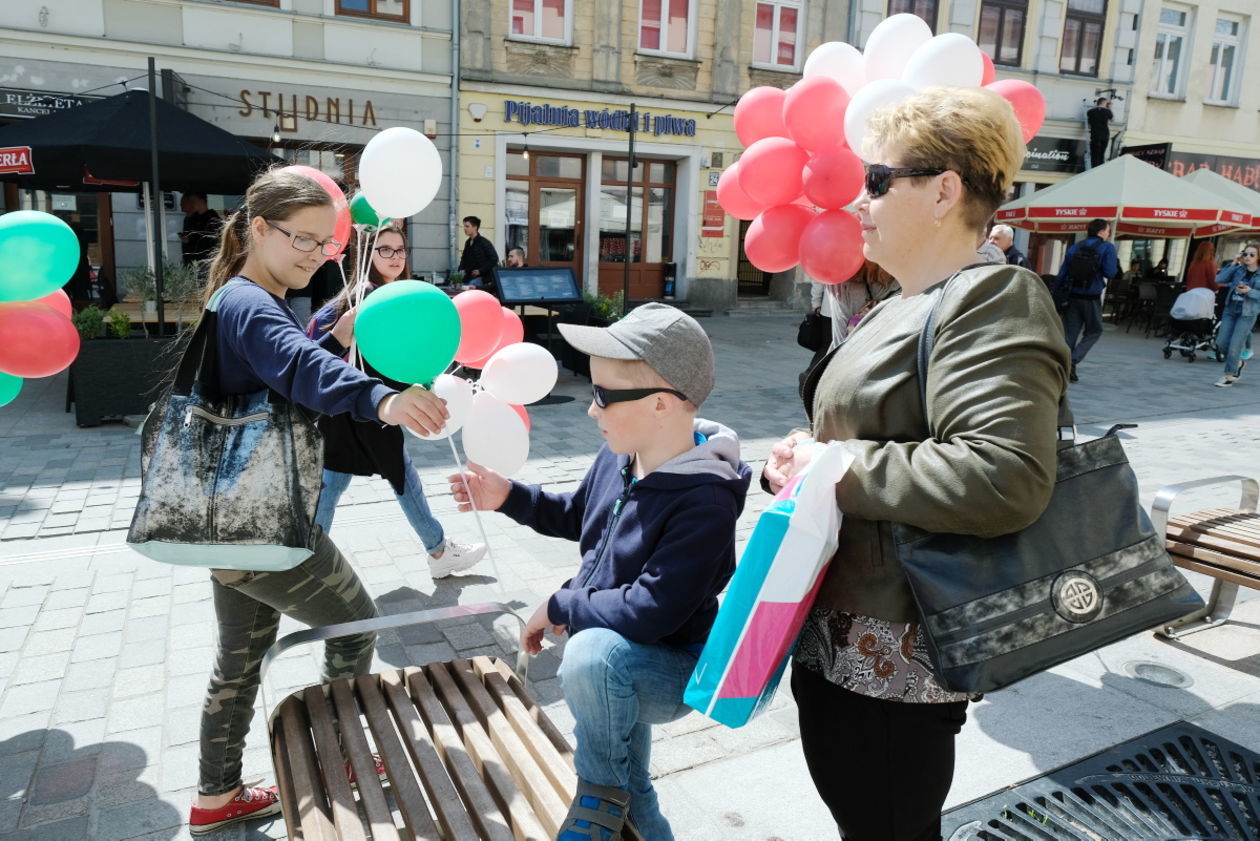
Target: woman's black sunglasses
{"points": [[879, 178], [604, 397]]}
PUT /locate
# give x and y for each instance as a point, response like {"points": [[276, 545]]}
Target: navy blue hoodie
{"points": [[655, 552]]}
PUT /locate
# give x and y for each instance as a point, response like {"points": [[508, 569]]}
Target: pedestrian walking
{"points": [[1079, 288], [1238, 319]]}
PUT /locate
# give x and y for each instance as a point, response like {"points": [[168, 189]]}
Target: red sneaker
{"points": [[380, 771], [252, 803]]}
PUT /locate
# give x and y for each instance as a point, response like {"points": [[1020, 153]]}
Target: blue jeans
{"points": [[1234, 335], [415, 507], [1082, 312], [616, 690]]}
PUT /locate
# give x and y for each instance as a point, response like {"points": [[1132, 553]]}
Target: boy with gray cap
{"points": [[654, 519]]}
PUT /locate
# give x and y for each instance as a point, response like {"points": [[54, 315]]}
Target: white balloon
{"points": [[840, 61], [520, 373], [495, 436], [458, 394], [951, 59], [891, 44], [875, 95], [400, 172]]}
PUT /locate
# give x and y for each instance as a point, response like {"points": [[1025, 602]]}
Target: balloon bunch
{"points": [[801, 167], [38, 255]]}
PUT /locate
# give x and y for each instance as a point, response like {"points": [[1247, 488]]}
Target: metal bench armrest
{"points": [[1164, 498]]}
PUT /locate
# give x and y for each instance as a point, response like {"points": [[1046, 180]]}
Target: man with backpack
{"points": [[1078, 290]]}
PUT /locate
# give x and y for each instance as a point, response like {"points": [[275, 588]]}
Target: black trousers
{"points": [[882, 767]]}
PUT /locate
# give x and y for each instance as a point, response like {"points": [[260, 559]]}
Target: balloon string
{"points": [[476, 514]]}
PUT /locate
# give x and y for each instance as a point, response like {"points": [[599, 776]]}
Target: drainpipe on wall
{"points": [[452, 222]]}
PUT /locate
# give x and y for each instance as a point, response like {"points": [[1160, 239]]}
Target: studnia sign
{"points": [[526, 113]]}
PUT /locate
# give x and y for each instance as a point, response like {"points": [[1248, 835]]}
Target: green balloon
{"points": [[9, 388], [409, 330], [38, 254], [362, 213]]}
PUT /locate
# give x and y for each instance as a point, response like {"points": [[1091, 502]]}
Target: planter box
{"points": [[576, 361], [116, 377]]}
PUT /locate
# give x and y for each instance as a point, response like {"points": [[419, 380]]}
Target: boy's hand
{"points": [[785, 461], [479, 486], [532, 634], [417, 408]]}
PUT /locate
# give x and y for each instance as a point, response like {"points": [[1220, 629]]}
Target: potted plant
{"points": [[115, 374], [178, 284], [119, 324]]}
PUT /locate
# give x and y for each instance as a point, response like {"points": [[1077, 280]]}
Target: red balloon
{"points": [[831, 247], [733, 198], [341, 232], [758, 114], [520, 410], [770, 171], [480, 325], [1029, 104], [35, 340], [990, 72], [813, 111], [513, 332], [833, 179], [59, 301], [773, 240]]}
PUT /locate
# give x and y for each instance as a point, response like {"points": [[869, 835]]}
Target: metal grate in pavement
{"points": [[1179, 783]]}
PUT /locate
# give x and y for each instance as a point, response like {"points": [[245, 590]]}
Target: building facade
{"points": [[310, 80], [547, 89]]}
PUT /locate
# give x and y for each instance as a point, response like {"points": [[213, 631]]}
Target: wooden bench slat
{"points": [[284, 779], [514, 804], [1243, 523], [545, 724], [1236, 532], [345, 811], [1217, 572], [402, 779], [312, 808], [1206, 557], [443, 797], [481, 805], [1214, 540], [521, 762], [355, 745]]}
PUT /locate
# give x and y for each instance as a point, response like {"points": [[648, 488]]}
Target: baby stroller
{"points": [[1193, 322]]}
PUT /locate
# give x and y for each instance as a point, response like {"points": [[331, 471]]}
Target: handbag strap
{"points": [[927, 338], [200, 362]]}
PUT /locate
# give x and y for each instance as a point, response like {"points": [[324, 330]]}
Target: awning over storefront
{"points": [[1137, 198], [1230, 190], [104, 145]]}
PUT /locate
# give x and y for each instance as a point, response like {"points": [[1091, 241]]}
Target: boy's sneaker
{"points": [[597, 813], [252, 803], [1246, 354], [456, 557], [1225, 381]]}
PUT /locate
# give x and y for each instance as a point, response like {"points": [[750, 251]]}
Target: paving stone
{"points": [[71, 740], [49, 642], [76, 827], [29, 698], [153, 606], [19, 617], [121, 823], [130, 751], [20, 596], [60, 599], [83, 705], [38, 669], [10, 811], [91, 674], [135, 713], [101, 623], [96, 647], [142, 653], [52, 620], [16, 772], [62, 781]]}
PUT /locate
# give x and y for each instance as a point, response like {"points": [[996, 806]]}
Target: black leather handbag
{"points": [[814, 332], [1091, 570]]}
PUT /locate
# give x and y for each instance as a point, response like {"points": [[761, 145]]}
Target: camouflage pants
{"points": [[323, 590]]}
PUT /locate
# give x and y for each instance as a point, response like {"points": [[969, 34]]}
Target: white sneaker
{"points": [[1225, 381], [456, 557]]}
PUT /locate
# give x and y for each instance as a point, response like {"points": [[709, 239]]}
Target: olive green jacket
{"points": [[982, 462]]}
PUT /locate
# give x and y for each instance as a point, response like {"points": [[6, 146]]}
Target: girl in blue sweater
{"points": [[281, 234]]}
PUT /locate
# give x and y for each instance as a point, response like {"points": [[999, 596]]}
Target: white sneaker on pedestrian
{"points": [[455, 557], [1225, 381]]}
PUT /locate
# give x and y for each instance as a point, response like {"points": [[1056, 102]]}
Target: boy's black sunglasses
{"points": [[879, 178], [604, 397]]}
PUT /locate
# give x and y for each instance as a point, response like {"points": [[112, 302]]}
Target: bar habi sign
{"points": [[288, 108]]}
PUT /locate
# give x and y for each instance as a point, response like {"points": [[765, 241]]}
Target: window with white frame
{"points": [[541, 20], [775, 37], [1226, 64], [1172, 43], [665, 27]]}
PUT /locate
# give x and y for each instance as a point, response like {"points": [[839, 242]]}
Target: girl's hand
{"points": [[785, 460], [417, 408], [343, 330], [480, 487], [532, 633]]}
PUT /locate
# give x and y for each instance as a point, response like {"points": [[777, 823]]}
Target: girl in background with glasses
{"points": [[282, 233], [352, 448]]}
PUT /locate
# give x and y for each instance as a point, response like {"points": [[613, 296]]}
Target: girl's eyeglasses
{"points": [[306, 245], [388, 253], [605, 397], [879, 178]]}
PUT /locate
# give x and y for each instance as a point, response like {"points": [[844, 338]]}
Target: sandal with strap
{"points": [[598, 813]]}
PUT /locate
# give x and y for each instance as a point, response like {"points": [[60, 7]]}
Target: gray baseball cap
{"points": [[671, 342]]}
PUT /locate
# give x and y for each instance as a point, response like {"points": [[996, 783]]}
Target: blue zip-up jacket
{"points": [[655, 552], [1233, 275], [1104, 259]]}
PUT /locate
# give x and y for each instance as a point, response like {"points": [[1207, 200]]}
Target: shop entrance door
{"points": [[544, 208]]}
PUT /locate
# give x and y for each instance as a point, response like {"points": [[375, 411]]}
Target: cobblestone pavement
{"points": [[105, 654]]}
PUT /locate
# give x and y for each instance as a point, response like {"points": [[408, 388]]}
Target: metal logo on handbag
{"points": [[227, 482], [1090, 571]]}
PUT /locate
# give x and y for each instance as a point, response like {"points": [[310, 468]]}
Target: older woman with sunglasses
{"points": [[1238, 318], [877, 725]]}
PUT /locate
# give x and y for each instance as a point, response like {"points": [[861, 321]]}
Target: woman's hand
{"points": [[786, 460], [532, 633], [480, 487], [343, 330], [417, 408]]}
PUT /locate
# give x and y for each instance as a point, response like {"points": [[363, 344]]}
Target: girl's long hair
{"points": [[274, 195], [1206, 250], [348, 292]]}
